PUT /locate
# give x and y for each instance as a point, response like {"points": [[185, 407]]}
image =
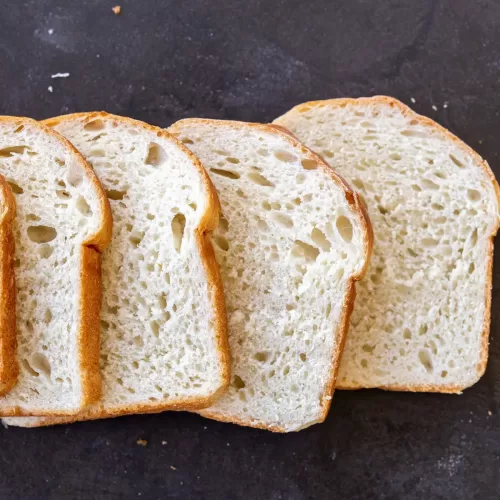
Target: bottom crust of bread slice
{"points": [[63, 222], [163, 328], [9, 367], [292, 241], [421, 321]]}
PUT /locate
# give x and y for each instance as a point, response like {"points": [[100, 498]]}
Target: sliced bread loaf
{"points": [[291, 243], [163, 327], [421, 320], [9, 367], [63, 222]]}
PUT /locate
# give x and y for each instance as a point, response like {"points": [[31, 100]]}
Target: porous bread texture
{"points": [[421, 319], [9, 367], [163, 326], [63, 222], [291, 242]]}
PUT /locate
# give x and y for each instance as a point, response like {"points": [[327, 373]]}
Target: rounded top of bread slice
{"points": [[422, 316]]}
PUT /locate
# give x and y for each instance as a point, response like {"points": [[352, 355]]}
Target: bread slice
{"points": [[422, 316], [293, 240], [63, 222], [163, 337], [9, 367]]}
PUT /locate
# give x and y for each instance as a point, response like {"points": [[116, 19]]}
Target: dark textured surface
{"points": [[252, 60]]}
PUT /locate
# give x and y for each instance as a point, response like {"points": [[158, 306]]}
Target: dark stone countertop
{"points": [[252, 60]]}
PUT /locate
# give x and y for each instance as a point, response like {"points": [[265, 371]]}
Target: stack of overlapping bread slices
{"points": [[213, 267]]}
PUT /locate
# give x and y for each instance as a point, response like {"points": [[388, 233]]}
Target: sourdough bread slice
{"points": [[163, 325], [63, 222], [9, 367], [293, 240], [421, 320]]}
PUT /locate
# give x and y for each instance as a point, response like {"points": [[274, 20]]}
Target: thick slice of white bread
{"points": [[63, 222], [291, 243], [163, 337], [421, 320], [9, 367]]}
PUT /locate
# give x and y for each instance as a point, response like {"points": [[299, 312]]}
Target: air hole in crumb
{"points": [[282, 219], [309, 164], [40, 364], [423, 329], [429, 242], [234, 161], [225, 173], [456, 161], [266, 205], [444, 373], [187, 140], [413, 133], [406, 334], [75, 175], [286, 370], [156, 155], [155, 328], [261, 356], [328, 310], [136, 237], [328, 153], [138, 341], [473, 238], [48, 316], [368, 348], [221, 242], [223, 225], [303, 356], [262, 225], [13, 150], [344, 227], [238, 382], [114, 194], [437, 206], [473, 195], [193, 205], [320, 239], [471, 267], [395, 156], [94, 125], [16, 189], [167, 278], [62, 194], [41, 234], [28, 368], [259, 179], [426, 360], [178, 226], [45, 251], [83, 207], [285, 156], [428, 184], [416, 187], [304, 250]]}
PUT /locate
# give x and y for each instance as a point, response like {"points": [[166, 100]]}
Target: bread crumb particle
{"points": [[434, 107], [445, 105], [412, 99], [142, 442], [117, 9], [163, 443], [490, 413], [50, 89], [173, 468], [51, 31], [60, 75]]}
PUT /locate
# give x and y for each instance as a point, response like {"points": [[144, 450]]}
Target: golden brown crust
{"points": [[207, 224], [359, 209], [88, 336], [9, 368], [423, 120]]}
